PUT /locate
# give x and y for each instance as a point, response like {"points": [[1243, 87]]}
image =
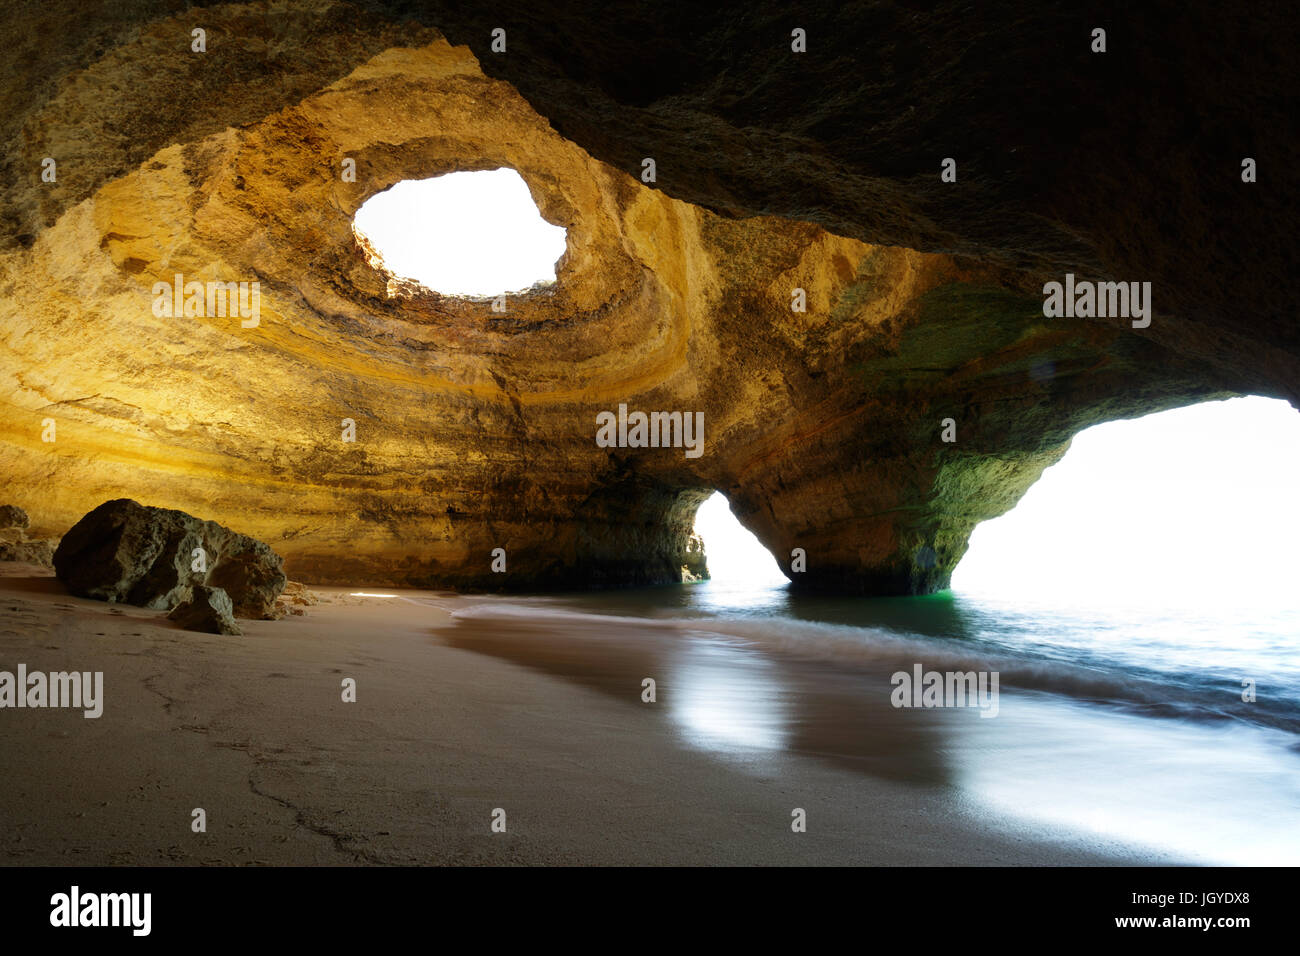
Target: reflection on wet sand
{"points": [[1064, 750], [729, 699]]}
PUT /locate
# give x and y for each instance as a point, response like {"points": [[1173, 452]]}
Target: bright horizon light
{"points": [[1197, 503], [732, 552], [473, 233]]}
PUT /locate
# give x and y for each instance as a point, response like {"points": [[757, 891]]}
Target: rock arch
{"points": [[475, 429]]}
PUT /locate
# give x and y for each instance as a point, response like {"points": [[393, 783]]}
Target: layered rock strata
{"points": [[777, 178]]}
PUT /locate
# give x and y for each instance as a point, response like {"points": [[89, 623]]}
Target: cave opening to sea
{"points": [[1196, 504], [735, 556], [463, 234], [1138, 606]]}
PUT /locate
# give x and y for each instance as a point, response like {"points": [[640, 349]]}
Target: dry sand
{"points": [[253, 730]]}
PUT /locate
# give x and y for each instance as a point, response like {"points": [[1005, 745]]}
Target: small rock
{"points": [[11, 516], [14, 543], [296, 596], [207, 610], [296, 592]]}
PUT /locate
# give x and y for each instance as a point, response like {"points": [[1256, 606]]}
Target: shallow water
{"points": [[1123, 722]]}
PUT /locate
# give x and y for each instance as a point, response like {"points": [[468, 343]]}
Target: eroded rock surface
{"points": [[205, 609], [15, 545], [152, 557], [776, 172], [696, 567], [295, 598]]}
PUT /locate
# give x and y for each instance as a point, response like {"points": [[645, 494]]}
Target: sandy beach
{"points": [[254, 730]]}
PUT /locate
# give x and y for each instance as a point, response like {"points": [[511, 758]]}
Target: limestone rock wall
{"points": [[474, 429]]}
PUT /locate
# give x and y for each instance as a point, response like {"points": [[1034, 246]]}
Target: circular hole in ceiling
{"points": [[469, 234]]}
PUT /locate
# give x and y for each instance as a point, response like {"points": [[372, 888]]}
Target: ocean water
{"points": [[1125, 723], [1127, 603]]}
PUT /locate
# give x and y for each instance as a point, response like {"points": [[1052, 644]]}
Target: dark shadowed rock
{"points": [[208, 610], [11, 516], [696, 567], [128, 552]]}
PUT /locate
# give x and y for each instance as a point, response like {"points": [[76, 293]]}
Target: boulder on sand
{"points": [[207, 610], [128, 552]]}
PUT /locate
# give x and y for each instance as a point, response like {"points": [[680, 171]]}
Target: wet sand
{"points": [[453, 719]]}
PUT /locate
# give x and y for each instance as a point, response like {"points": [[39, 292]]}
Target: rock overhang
{"points": [[476, 428]]}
